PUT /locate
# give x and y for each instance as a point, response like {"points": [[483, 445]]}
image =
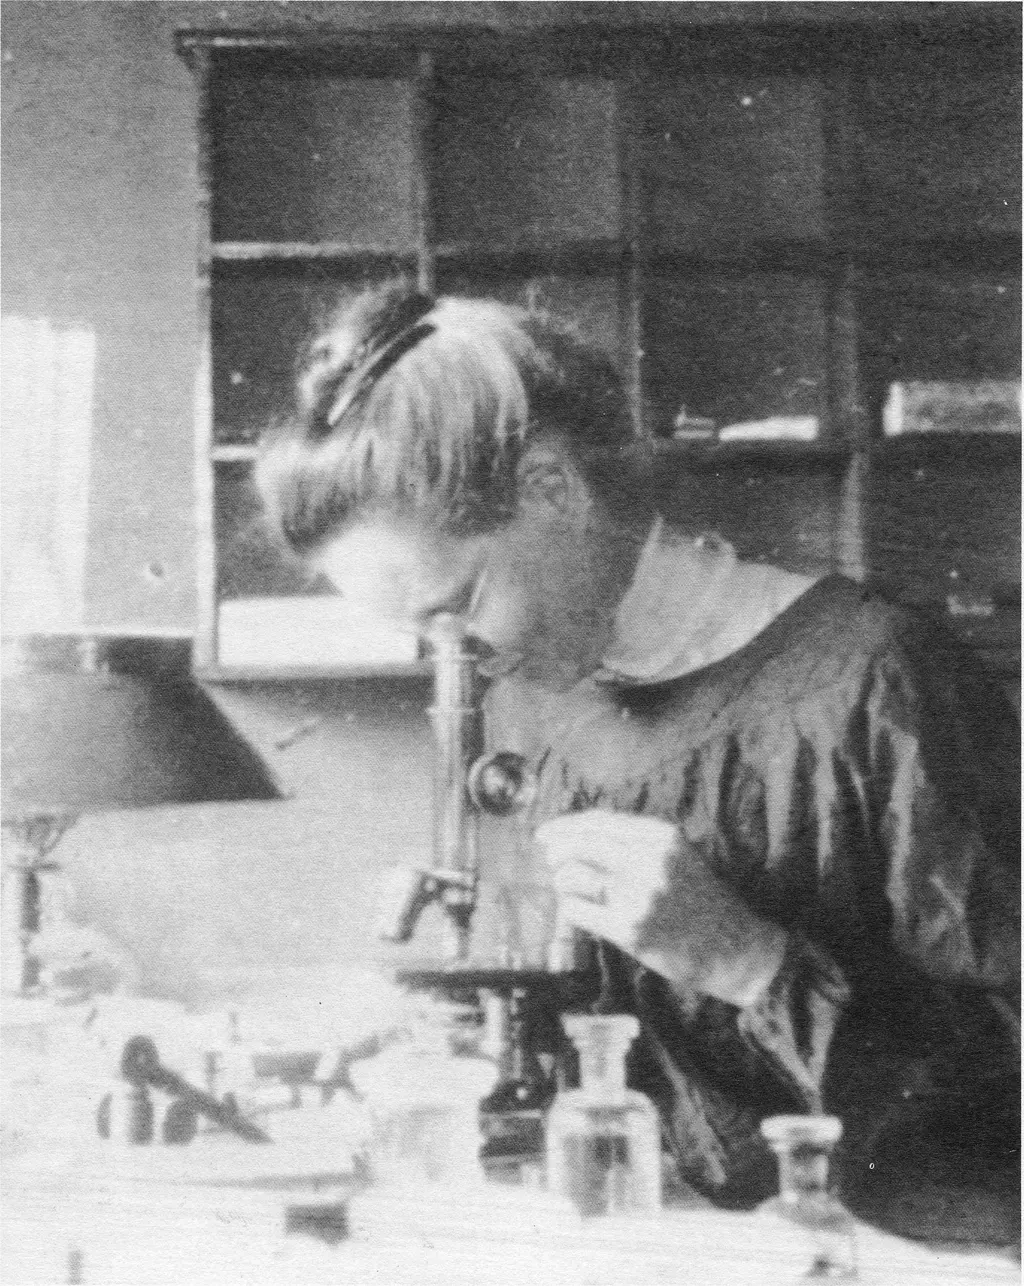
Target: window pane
{"points": [[957, 326], [520, 160], [260, 324], [588, 303], [940, 150], [730, 160], [307, 158], [735, 349]]}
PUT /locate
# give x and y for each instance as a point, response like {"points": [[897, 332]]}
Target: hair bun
{"points": [[397, 328]]}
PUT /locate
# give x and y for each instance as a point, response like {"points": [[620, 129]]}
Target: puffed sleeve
{"points": [[943, 790], [792, 1023], [923, 835]]}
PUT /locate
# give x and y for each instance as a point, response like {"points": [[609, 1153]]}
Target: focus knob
{"points": [[501, 783]]}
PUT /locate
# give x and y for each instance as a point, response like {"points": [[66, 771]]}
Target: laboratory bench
{"points": [[220, 1211]]}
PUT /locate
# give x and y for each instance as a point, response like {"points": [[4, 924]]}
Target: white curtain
{"points": [[46, 401]]}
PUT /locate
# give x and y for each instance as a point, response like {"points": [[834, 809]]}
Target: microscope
{"points": [[518, 1006]]}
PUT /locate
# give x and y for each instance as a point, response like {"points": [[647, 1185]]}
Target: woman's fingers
{"points": [[633, 881], [606, 867], [597, 902], [581, 879], [619, 844], [596, 920]]}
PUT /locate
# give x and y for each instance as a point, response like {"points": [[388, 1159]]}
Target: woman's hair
{"points": [[424, 406]]}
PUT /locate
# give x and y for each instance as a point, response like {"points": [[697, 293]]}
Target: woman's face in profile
{"points": [[518, 588], [401, 572]]}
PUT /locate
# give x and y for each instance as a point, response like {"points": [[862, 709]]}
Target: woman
{"points": [[784, 807]]}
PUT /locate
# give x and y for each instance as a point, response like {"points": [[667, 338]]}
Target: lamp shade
{"points": [[92, 725]]}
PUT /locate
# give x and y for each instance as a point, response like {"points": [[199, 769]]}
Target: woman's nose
{"points": [[453, 598]]}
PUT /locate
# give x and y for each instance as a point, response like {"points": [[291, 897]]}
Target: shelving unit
{"points": [[712, 455], [754, 219]]}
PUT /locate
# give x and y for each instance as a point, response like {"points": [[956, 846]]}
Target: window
{"points": [[764, 224]]}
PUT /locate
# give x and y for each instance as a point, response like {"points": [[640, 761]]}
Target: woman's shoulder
{"points": [[845, 618], [823, 649], [834, 627], [841, 626]]}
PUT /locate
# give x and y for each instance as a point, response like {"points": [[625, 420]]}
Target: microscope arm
{"points": [[407, 891]]}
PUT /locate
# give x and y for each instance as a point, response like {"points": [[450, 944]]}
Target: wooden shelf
{"points": [[910, 451], [709, 456], [913, 450], [975, 250], [234, 453], [602, 252], [230, 674], [805, 35], [701, 455], [599, 252], [274, 252], [805, 256]]}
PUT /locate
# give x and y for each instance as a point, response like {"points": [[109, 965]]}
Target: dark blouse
{"points": [[853, 775]]}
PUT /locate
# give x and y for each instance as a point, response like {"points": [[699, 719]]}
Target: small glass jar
{"points": [[424, 1105], [603, 1140], [803, 1147]]}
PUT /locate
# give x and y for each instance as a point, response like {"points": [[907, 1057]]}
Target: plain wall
{"points": [[99, 231]]}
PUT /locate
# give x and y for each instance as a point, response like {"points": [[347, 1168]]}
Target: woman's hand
{"points": [[635, 882]]}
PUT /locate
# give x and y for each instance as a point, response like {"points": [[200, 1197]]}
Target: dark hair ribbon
{"points": [[399, 328]]}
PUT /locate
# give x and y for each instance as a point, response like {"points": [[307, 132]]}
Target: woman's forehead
{"points": [[369, 535], [382, 534]]}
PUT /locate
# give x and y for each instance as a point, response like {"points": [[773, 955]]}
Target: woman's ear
{"points": [[546, 479]]}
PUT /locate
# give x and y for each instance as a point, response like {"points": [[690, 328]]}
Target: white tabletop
{"points": [[187, 1216]]}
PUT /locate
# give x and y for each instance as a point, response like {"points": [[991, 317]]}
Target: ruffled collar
{"points": [[690, 604]]}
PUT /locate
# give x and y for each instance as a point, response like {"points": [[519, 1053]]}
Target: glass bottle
{"points": [[603, 1139], [424, 1103], [803, 1147]]}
